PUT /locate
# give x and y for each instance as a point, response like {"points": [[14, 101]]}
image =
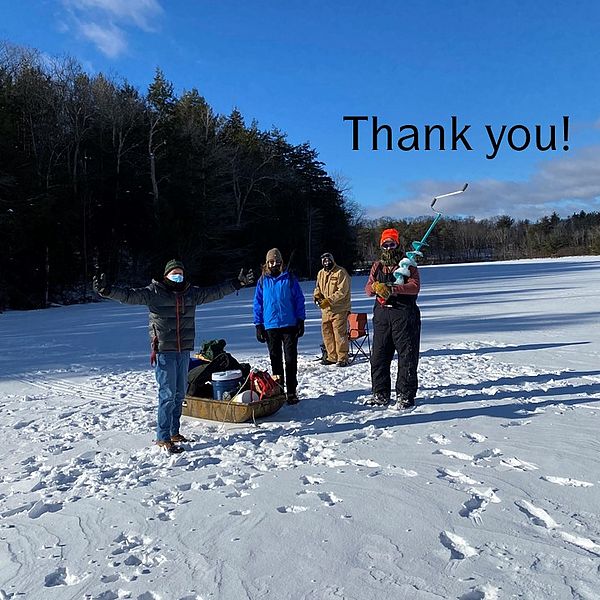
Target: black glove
{"points": [[99, 284], [261, 334], [300, 326], [246, 278]]}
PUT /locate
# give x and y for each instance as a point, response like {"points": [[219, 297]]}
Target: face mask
{"points": [[327, 264], [274, 268], [391, 257], [175, 277]]}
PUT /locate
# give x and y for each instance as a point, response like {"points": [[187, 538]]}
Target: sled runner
{"points": [[230, 411]]}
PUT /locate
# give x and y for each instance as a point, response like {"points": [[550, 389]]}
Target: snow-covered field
{"points": [[489, 490]]}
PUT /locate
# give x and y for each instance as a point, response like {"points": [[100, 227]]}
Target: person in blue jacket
{"points": [[279, 316]]}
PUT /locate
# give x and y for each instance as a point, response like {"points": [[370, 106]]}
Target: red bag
{"points": [[263, 383]]}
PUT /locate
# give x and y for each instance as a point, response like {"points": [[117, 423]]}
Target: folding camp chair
{"points": [[358, 334]]}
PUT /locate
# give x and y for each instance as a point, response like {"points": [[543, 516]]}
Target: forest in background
{"points": [[95, 174], [500, 238]]}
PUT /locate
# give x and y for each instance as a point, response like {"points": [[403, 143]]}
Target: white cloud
{"points": [[141, 13], [565, 185], [104, 22], [109, 39]]}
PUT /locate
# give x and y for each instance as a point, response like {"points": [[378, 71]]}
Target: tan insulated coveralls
{"points": [[334, 285]]}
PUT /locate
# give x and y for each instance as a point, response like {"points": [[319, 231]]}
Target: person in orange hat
{"points": [[396, 324]]}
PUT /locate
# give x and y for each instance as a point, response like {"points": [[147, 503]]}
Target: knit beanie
{"points": [[274, 254], [390, 234], [173, 264]]}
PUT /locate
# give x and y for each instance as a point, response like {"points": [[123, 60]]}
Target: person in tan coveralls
{"points": [[332, 295]]}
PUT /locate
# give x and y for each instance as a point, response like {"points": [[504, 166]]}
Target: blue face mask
{"points": [[175, 277]]}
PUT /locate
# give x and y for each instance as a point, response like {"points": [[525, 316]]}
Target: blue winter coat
{"points": [[278, 301]]}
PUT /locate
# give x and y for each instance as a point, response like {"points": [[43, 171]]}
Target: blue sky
{"points": [[302, 66]]}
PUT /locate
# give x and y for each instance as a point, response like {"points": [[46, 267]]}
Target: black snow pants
{"points": [[283, 341], [396, 330]]}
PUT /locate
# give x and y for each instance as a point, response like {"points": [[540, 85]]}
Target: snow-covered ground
{"points": [[489, 490]]}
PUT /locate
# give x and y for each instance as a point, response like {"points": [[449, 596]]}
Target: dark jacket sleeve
{"points": [[369, 286], [130, 295], [202, 295]]}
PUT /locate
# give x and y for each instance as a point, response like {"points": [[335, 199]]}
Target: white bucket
{"points": [[247, 397]]}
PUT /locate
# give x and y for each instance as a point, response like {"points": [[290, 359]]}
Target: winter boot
{"points": [[292, 398], [169, 446], [405, 404], [179, 438], [378, 399]]}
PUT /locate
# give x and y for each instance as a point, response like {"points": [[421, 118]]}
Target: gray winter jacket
{"points": [[172, 314]]}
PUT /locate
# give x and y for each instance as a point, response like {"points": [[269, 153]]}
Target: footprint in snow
{"points": [[402, 471], [354, 437], [476, 505], [60, 577], [454, 454], [566, 481], [41, 507], [439, 438], [166, 515], [366, 463], [107, 595], [238, 492], [537, 515], [535, 411], [476, 438], [135, 551], [311, 480], [132, 561], [292, 509], [487, 454], [517, 464], [11, 512], [329, 498], [456, 477], [149, 596], [581, 542], [58, 449], [487, 591], [459, 548]]}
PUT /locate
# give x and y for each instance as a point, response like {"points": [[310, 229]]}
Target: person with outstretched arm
{"points": [[172, 304]]}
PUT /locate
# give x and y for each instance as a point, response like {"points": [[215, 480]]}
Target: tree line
{"points": [[95, 174], [499, 238]]}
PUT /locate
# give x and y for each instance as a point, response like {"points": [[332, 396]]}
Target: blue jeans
{"points": [[171, 376]]}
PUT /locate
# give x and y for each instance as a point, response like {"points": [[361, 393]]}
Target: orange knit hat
{"points": [[390, 234]]}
